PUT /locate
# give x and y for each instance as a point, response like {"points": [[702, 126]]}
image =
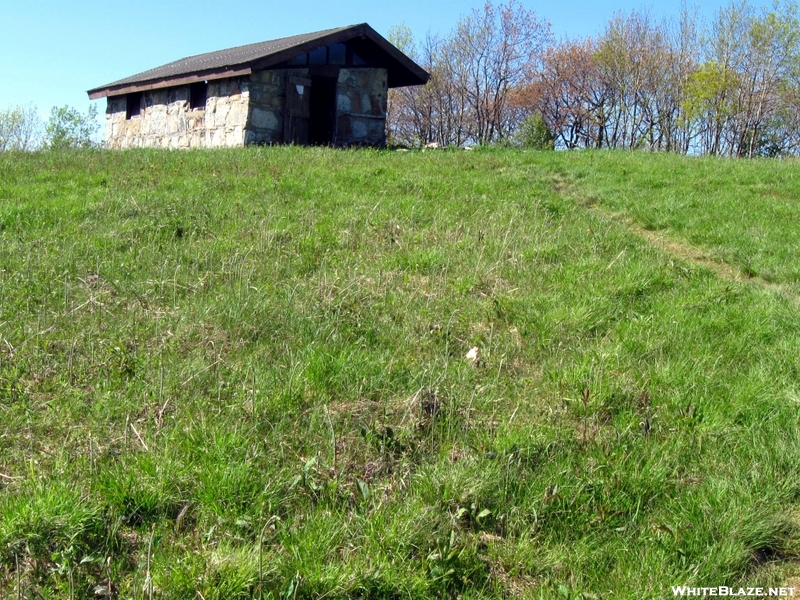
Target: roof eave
{"points": [[416, 74], [419, 76], [406, 73], [165, 82]]}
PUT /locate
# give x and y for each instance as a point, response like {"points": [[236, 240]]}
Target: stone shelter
{"points": [[324, 88]]}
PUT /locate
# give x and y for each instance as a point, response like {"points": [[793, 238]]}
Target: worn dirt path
{"points": [[678, 249], [696, 256]]}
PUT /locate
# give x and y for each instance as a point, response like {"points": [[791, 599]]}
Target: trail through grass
{"points": [[741, 214], [671, 243]]}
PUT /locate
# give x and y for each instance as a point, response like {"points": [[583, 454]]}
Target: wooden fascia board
{"points": [[166, 82]]}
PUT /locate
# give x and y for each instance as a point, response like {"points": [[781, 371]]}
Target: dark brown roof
{"points": [[243, 60]]}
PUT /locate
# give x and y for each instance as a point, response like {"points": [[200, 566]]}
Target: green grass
{"points": [[741, 213], [242, 374]]}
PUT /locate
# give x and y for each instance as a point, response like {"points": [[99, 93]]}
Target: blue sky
{"points": [[52, 51]]}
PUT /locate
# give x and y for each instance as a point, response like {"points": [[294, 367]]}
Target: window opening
{"points": [[337, 54], [133, 105], [197, 95], [318, 56]]}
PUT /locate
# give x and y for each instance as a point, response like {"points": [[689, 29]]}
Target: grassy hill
{"points": [[304, 373]]}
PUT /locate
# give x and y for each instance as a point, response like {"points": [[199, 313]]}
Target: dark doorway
{"points": [[321, 126]]}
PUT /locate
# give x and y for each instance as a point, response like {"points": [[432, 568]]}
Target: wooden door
{"points": [[298, 110]]}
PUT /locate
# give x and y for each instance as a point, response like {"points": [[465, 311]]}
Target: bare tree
{"points": [[567, 91], [728, 89], [474, 73], [493, 52]]}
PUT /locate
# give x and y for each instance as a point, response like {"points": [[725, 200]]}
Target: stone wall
{"points": [[361, 107], [267, 101], [250, 110], [167, 121]]}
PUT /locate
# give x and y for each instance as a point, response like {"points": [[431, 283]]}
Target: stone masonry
{"points": [[247, 110], [361, 99], [267, 100], [167, 121]]}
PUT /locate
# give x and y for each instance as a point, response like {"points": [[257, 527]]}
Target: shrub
{"points": [[534, 133]]}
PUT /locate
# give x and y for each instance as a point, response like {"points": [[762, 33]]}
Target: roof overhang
{"points": [[402, 71], [166, 82]]}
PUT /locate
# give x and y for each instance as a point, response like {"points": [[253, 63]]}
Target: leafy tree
{"points": [[773, 50], [69, 128], [709, 103]]}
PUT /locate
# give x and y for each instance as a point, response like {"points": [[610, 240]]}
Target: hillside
{"points": [[251, 373]]}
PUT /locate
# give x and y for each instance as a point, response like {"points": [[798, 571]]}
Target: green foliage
{"points": [[402, 38], [534, 134], [69, 128], [711, 88], [244, 374]]}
